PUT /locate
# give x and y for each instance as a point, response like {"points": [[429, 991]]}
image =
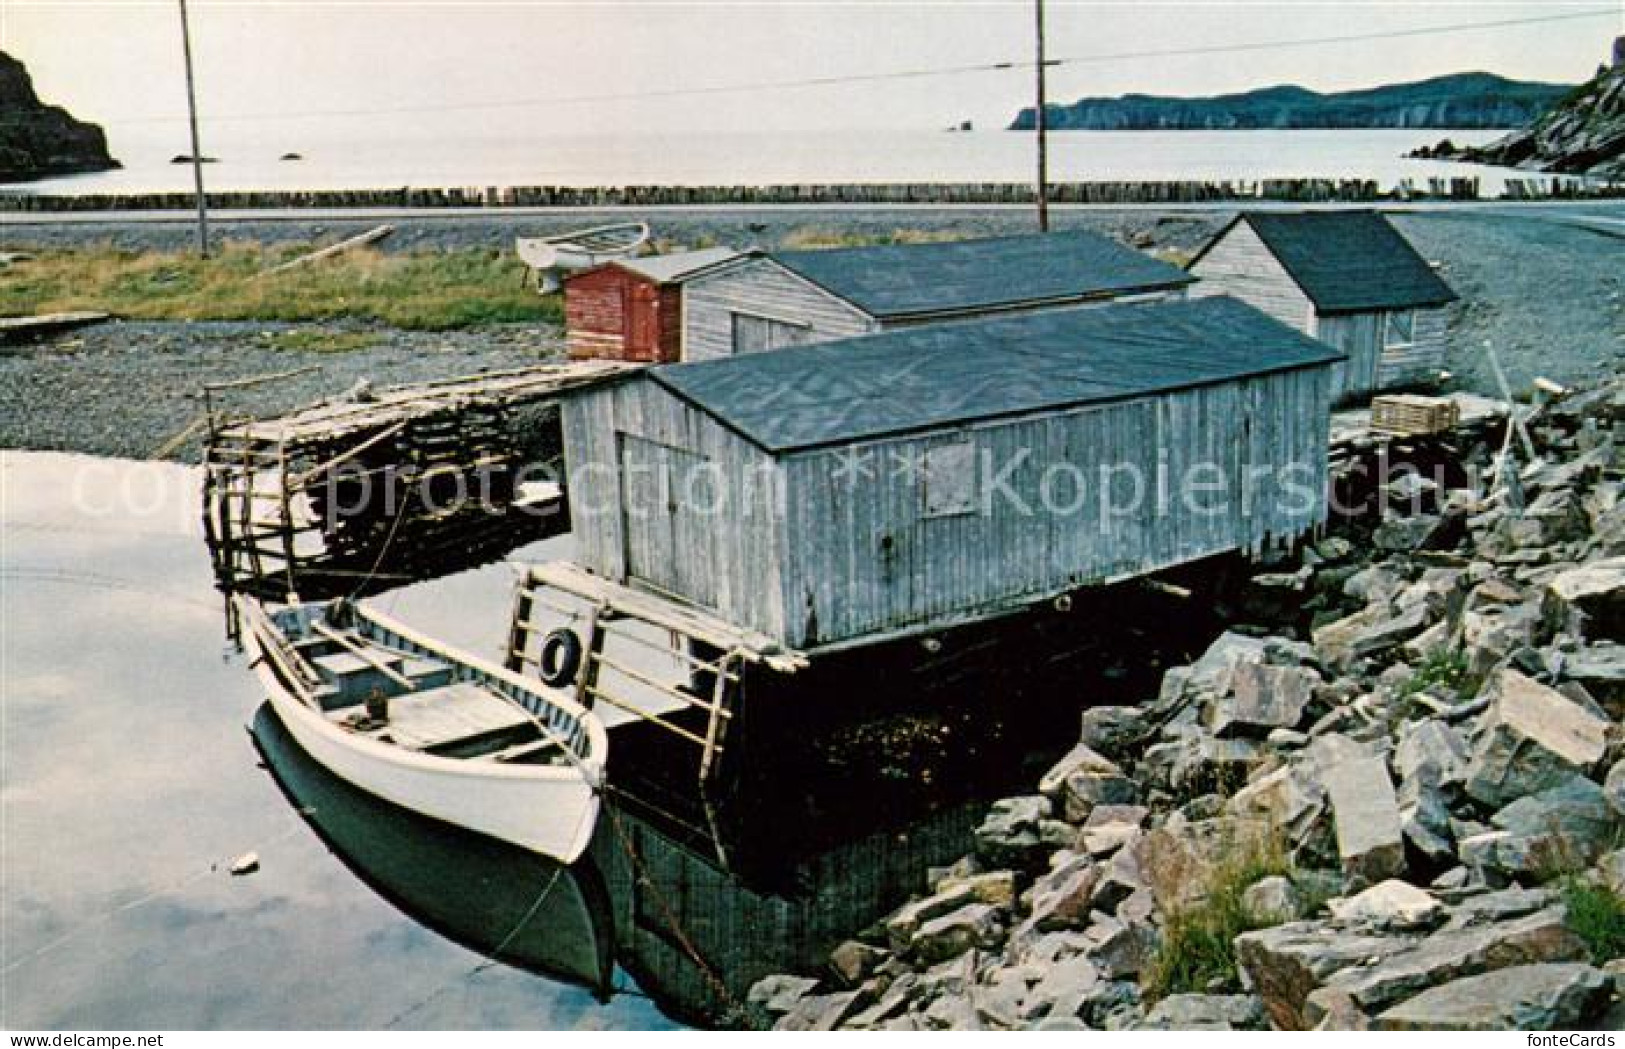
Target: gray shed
{"points": [[1346, 277], [789, 298], [874, 487]]}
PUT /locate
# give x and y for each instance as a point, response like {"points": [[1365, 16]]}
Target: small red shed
{"points": [[632, 309]]}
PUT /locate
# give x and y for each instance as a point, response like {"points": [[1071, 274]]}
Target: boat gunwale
{"points": [[588, 768]]}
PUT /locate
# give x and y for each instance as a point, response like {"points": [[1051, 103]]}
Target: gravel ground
{"points": [[1550, 296], [765, 227], [125, 388]]}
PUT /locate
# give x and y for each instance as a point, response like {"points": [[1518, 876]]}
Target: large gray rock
{"points": [[819, 1012], [976, 925], [1559, 829], [903, 923], [1518, 998], [1014, 832], [1601, 669], [1081, 758], [1432, 742], [1273, 900], [1392, 904], [1590, 597], [1530, 739], [1206, 1012], [1291, 799], [778, 994], [1114, 731], [1613, 788], [1286, 963], [1368, 632], [1365, 811], [1260, 698], [1446, 955], [1062, 897]]}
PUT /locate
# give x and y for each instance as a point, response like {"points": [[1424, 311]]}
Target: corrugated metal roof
{"points": [[665, 268], [940, 375], [900, 280], [1350, 261]]}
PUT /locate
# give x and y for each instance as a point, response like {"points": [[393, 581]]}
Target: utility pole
{"points": [[1041, 125], [197, 150]]}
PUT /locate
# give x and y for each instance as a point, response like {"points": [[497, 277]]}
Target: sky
{"points": [[543, 67]]}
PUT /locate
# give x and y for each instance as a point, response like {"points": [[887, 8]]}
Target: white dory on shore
{"points": [[428, 728]]}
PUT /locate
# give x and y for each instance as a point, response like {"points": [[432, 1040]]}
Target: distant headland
{"points": [[1457, 101], [40, 141]]}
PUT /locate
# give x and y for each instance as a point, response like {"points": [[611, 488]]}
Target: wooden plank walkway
{"points": [[19, 329]]}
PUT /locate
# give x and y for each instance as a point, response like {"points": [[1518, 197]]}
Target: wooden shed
{"points": [[765, 301], [1347, 278], [632, 309], [874, 487]]}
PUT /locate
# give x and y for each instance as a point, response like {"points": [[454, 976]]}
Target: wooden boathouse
{"points": [[769, 300], [875, 487], [1348, 278], [632, 309]]}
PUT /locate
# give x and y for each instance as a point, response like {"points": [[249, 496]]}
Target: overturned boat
{"points": [[428, 728]]}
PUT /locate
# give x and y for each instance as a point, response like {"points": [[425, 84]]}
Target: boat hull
{"points": [[547, 809]]}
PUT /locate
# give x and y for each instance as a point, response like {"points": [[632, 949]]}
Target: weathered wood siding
{"points": [[867, 558], [1360, 336], [614, 314], [1373, 366], [1241, 266], [1422, 360], [663, 495], [594, 315], [761, 288]]}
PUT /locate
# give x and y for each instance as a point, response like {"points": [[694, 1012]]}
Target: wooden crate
{"points": [[1411, 414]]}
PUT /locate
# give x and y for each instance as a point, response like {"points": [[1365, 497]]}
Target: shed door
{"points": [[643, 321], [667, 501]]}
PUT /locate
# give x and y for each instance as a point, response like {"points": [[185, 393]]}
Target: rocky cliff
{"points": [[1583, 134], [37, 140], [1463, 100]]}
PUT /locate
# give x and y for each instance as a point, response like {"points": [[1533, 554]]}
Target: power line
{"points": [[703, 90]]}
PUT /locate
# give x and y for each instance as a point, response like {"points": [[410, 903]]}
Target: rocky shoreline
{"points": [[1408, 815], [39, 141]]}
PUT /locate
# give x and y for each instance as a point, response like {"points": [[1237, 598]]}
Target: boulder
{"points": [[1012, 835], [1404, 534], [1260, 698], [1114, 731], [1287, 963], [903, 923], [975, 925], [1559, 829], [853, 962], [1087, 787], [1291, 799], [1547, 997], [1081, 758], [1365, 812], [1447, 955], [819, 1012], [1589, 599], [1062, 899], [1601, 669], [1613, 788], [1432, 742], [1392, 904], [778, 994], [1206, 1012], [1368, 633], [1273, 900], [1531, 738]]}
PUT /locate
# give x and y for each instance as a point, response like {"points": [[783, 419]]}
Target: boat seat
{"points": [[451, 718], [353, 679], [427, 673]]}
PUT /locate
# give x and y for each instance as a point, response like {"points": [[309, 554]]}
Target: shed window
{"points": [[754, 334], [950, 479], [1401, 328]]}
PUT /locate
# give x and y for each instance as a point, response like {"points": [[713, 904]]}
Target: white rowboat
{"points": [[428, 728], [548, 257]]}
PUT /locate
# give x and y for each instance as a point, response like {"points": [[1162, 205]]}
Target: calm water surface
{"points": [[128, 785], [435, 153]]}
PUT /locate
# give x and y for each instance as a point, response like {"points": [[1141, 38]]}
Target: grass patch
{"points": [[1596, 914], [1198, 942], [309, 340], [427, 291], [816, 238], [1441, 669]]}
